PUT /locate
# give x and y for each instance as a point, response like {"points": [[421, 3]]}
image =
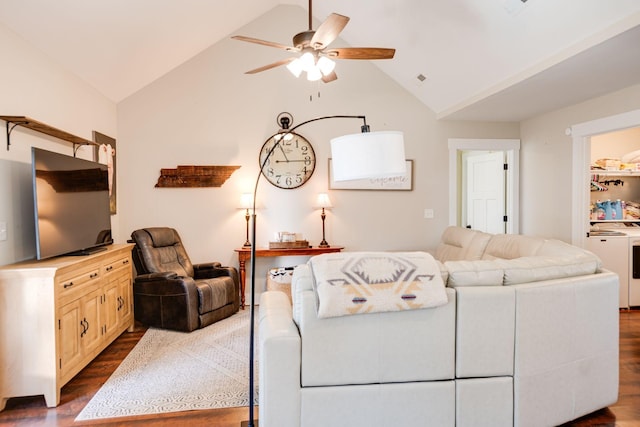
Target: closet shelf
{"points": [[13, 121], [626, 172]]}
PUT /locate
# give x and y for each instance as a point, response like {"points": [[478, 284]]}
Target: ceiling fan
{"points": [[316, 57]]}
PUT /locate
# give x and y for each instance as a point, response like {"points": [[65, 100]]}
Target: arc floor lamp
{"points": [[356, 156]]}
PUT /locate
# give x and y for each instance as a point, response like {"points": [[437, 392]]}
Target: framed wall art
{"points": [[400, 183]]}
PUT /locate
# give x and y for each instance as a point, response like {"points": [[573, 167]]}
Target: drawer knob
{"points": [[67, 285]]}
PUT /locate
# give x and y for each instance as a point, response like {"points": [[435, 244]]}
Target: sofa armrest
{"points": [[280, 360]]}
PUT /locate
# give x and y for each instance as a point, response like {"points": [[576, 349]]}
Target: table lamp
{"points": [[323, 202], [245, 203]]}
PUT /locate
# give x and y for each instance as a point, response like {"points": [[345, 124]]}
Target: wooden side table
{"points": [[244, 255]]}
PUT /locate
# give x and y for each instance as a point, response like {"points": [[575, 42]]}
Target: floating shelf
{"points": [[195, 176], [13, 121]]}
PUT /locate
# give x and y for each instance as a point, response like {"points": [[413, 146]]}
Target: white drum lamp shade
{"points": [[368, 155]]}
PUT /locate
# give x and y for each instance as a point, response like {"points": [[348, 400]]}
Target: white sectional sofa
{"points": [[528, 337]]}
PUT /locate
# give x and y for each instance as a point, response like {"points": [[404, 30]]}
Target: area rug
{"points": [[170, 371]]}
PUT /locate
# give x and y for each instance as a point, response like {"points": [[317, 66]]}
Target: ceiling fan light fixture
{"points": [[307, 61], [326, 65], [314, 74], [295, 67], [314, 52]]}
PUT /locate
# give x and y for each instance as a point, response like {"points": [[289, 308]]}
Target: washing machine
{"points": [[612, 246]]}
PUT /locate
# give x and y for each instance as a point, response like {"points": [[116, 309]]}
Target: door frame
{"points": [[581, 134], [511, 147]]}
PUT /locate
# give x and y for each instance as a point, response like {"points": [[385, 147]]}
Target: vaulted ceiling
{"points": [[500, 60]]}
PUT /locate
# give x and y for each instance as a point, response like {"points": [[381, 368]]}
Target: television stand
{"points": [[57, 315], [88, 251]]}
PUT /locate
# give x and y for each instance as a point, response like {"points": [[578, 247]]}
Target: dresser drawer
{"points": [[116, 264], [71, 284]]}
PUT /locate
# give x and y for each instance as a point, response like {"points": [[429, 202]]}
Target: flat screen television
{"points": [[71, 204]]}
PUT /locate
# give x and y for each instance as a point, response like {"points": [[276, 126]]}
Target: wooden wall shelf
{"points": [[27, 122], [195, 176]]}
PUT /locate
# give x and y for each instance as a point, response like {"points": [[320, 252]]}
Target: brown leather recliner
{"points": [[171, 293]]}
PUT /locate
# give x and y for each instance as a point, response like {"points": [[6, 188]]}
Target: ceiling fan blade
{"points": [[328, 31], [360, 53], [265, 43], [329, 78], [270, 66]]}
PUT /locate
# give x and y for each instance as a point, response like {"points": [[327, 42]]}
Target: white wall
{"points": [[34, 86], [615, 145], [545, 168], [208, 112]]}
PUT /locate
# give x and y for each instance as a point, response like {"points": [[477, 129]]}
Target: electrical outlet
{"points": [[3, 230], [428, 213]]}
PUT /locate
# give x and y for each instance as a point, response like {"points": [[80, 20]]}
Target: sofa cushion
{"points": [[509, 246], [459, 243], [474, 273], [553, 247], [368, 282], [538, 268]]}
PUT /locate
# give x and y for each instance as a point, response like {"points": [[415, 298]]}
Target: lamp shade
{"points": [[326, 65], [368, 155], [314, 74], [246, 201], [295, 67], [323, 201]]}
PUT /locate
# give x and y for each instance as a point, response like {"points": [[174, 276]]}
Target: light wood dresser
{"points": [[57, 315]]}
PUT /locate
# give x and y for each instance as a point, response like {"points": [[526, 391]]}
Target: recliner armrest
{"points": [[167, 283], [154, 277], [207, 266], [214, 269]]}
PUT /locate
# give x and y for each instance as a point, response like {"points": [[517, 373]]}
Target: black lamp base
{"points": [[323, 243], [246, 423]]}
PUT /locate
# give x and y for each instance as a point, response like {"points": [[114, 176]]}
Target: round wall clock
{"points": [[291, 163]]}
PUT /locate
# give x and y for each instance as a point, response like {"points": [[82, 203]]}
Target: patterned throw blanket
{"points": [[368, 282]]}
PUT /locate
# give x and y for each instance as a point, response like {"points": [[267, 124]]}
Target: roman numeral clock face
{"points": [[291, 163]]}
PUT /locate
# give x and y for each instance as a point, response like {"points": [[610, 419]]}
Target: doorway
{"points": [[580, 195], [483, 192]]}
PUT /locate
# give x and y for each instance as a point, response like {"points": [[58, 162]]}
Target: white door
{"points": [[485, 191]]}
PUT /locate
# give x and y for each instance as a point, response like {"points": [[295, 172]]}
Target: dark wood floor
{"points": [[31, 411]]}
